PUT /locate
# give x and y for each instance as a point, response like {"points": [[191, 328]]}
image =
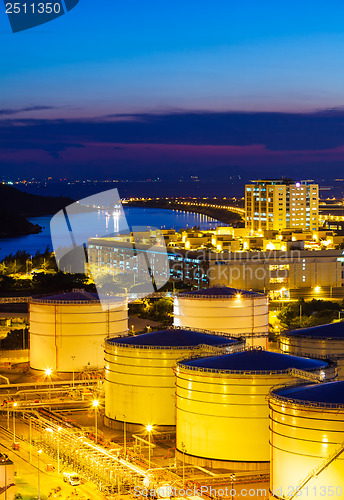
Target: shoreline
{"points": [[219, 214]]}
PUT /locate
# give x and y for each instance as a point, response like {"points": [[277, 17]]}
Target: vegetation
{"points": [[302, 314], [156, 309], [15, 340], [23, 263]]}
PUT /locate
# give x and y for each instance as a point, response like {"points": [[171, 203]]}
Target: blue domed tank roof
{"points": [[220, 291], [330, 393], [328, 331], [255, 361], [73, 296], [174, 338]]}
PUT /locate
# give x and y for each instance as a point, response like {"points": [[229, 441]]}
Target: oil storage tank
{"points": [[67, 331], [319, 341], [224, 309], [222, 409], [139, 377], [307, 441]]}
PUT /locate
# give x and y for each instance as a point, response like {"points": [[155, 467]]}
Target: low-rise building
{"points": [[295, 272]]}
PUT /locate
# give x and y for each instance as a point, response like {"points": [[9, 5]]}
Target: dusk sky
{"points": [[138, 89]]}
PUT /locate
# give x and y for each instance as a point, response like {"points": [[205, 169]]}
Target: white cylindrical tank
{"points": [[319, 341], [307, 441], [67, 331], [222, 409], [224, 309], [139, 377]]}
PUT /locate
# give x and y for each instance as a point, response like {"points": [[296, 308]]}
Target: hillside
{"points": [[30, 205], [15, 206], [12, 224]]}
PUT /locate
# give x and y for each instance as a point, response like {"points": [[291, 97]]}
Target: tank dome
{"points": [[256, 360], [73, 296], [220, 291], [331, 393], [174, 338], [328, 331]]}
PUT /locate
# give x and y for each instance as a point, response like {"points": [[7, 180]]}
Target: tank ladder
{"points": [[318, 470]]}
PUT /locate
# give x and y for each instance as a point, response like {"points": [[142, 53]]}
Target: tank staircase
{"points": [[315, 472], [318, 378]]}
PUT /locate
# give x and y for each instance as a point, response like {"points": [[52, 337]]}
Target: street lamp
{"points": [[58, 449], [14, 422], [73, 358], [38, 478], [149, 429], [95, 404], [125, 436], [183, 450], [48, 373]]}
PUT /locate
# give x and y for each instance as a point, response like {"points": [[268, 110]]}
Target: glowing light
{"points": [[15, 404], [48, 372], [270, 246], [317, 289], [95, 403], [238, 296], [149, 428]]}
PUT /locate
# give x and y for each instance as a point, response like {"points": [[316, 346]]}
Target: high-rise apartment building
{"points": [[281, 204]]}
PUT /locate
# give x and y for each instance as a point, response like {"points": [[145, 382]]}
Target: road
{"points": [[28, 474]]}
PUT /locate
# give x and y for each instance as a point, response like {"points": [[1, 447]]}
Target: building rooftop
{"points": [[328, 331], [329, 393], [220, 291], [174, 338], [255, 361]]}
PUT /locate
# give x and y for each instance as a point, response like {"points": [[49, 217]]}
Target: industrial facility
{"points": [[139, 377], [204, 387], [307, 441], [222, 409], [67, 331], [319, 341], [223, 309]]}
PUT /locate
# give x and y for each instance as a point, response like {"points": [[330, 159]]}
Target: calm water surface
{"points": [[145, 217]]}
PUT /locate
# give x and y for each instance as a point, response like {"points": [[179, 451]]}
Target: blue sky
{"points": [[139, 59], [133, 56]]}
